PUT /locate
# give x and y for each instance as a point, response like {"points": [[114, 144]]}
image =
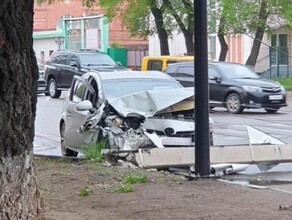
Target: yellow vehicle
{"points": [[160, 62]]}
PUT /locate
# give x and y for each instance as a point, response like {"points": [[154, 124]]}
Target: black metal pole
{"points": [[202, 144]]}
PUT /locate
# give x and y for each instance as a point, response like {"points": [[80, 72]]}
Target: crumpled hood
{"points": [[148, 103]]}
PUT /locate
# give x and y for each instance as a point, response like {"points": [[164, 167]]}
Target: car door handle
{"points": [[69, 114]]}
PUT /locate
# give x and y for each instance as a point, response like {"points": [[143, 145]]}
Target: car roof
{"points": [[128, 74], [80, 51], [225, 63], [170, 57], [212, 63]]}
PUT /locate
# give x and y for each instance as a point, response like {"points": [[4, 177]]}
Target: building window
{"points": [[50, 52], [279, 50]]}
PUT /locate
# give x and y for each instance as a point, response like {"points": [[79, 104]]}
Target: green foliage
{"points": [[286, 82], [128, 180], [93, 151], [243, 16], [124, 188], [85, 191], [134, 14], [133, 179], [116, 45]]}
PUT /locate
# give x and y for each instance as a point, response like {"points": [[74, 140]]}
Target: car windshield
{"points": [[120, 87], [96, 59], [234, 71]]}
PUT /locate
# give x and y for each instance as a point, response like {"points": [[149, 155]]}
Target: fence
{"points": [[275, 62]]}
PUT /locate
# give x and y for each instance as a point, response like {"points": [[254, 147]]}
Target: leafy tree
{"points": [[20, 197], [169, 15], [250, 16], [136, 17], [183, 13]]}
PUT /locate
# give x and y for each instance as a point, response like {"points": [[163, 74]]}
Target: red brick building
{"points": [[47, 17], [49, 29]]}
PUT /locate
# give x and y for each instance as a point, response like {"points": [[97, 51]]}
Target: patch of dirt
{"points": [[163, 196]]}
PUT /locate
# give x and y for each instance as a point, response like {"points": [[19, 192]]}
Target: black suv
{"points": [[63, 65]]}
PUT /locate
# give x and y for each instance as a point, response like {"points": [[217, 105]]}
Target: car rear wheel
{"points": [[65, 151], [53, 90], [272, 111], [211, 139], [233, 103]]}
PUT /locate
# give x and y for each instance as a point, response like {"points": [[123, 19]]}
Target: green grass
{"points": [[124, 188], [85, 191], [133, 179], [286, 82], [93, 151]]}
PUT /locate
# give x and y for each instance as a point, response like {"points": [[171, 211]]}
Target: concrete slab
{"points": [[185, 156]]}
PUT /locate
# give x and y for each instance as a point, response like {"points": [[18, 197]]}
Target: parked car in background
{"points": [[131, 110], [160, 63], [234, 86], [41, 83], [63, 65]]}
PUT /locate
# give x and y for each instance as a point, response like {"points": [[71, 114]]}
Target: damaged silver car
{"points": [[130, 109]]}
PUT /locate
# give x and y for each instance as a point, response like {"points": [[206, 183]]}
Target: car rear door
{"points": [[216, 88], [66, 75]]}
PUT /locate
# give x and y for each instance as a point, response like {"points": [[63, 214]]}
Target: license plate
{"points": [[275, 97]]}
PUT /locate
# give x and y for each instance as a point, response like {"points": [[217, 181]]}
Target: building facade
{"points": [[69, 25]]}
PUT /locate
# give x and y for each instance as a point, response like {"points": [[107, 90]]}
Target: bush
{"points": [[93, 151]]}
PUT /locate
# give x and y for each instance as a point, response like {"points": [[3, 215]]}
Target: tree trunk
{"points": [[185, 29], [189, 41], [221, 38], [20, 197], [263, 15], [162, 34]]}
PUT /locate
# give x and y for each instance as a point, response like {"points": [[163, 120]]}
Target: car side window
{"points": [[78, 91], [93, 97], [186, 71], [64, 59], [73, 60], [171, 70], [213, 73], [56, 57], [154, 65]]}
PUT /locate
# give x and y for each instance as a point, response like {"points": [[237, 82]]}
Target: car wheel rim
{"points": [[233, 104], [52, 89]]}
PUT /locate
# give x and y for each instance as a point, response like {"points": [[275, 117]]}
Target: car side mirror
{"points": [[85, 105], [74, 64], [119, 64], [215, 78]]}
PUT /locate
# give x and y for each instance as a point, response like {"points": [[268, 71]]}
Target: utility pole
{"points": [[202, 142]]}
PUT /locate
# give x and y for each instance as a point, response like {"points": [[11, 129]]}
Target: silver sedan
{"points": [[130, 109]]}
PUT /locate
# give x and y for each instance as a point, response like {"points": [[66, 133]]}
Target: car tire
{"points": [[233, 103], [271, 111], [53, 89], [65, 151], [211, 139]]}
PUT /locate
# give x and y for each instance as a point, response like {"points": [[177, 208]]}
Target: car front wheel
{"points": [[65, 151], [233, 103], [53, 90]]}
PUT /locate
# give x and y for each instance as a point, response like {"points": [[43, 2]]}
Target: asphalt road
{"points": [[230, 129]]}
